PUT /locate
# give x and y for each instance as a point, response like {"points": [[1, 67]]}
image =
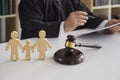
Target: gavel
{"points": [[70, 44], [69, 55]]}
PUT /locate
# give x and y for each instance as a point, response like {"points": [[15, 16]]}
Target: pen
{"points": [[91, 17], [83, 9], [90, 46]]}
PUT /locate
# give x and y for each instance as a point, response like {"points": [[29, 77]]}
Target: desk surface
{"points": [[99, 64]]}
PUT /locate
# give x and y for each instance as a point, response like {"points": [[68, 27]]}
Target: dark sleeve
{"points": [[31, 15], [91, 23]]}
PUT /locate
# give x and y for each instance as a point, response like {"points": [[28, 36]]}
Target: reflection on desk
{"points": [[99, 64]]}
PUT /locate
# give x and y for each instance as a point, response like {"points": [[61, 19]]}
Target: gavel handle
{"points": [[90, 46]]}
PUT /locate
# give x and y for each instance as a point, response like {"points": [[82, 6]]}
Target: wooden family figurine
{"points": [[28, 48], [14, 43], [42, 43]]}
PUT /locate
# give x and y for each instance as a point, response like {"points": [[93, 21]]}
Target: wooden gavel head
{"points": [[69, 55], [70, 43]]}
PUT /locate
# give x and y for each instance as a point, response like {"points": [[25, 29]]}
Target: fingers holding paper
{"points": [[111, 22]]}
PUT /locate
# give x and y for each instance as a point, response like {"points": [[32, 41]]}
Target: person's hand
{"points": [[114, 29], [75, 19]]}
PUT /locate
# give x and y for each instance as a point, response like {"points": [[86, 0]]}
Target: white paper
{"points": [[88, 31]]}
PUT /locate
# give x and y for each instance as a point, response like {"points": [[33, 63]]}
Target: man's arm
{"points": [[78, 19], [97, 22], [91, 23]]}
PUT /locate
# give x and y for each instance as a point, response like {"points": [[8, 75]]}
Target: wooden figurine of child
{"points": [[14, 43], [42, 43], [28, 48]]}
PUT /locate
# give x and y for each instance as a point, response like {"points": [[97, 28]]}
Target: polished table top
{"points": [[99, 64]]}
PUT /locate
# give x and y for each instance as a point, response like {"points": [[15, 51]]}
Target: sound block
{"points": [[63, 57]]}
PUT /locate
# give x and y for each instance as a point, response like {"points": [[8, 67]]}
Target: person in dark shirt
{"points": [[56, 15]]}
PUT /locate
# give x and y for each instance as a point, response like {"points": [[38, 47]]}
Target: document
{"points": [[88, 31]]}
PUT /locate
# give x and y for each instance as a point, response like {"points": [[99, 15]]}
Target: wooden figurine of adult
{"points": [[28, 48], [14, 43], [42, 43]]}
